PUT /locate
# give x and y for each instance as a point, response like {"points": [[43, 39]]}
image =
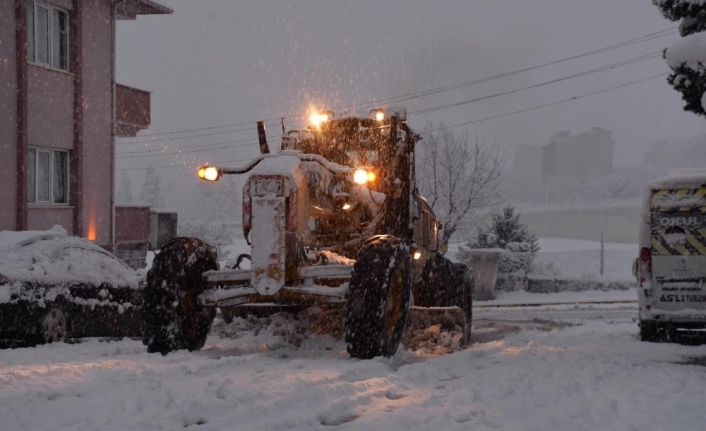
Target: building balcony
{"points": [[133, 110]]}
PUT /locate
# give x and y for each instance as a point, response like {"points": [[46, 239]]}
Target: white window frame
{"points": [[51, 8], [51, 152]]}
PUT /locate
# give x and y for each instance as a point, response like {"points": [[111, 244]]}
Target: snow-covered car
{"points": [[54, 287]]}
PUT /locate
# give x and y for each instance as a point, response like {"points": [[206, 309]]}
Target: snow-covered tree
{"points": [[687, 56], [218, 235], [124, 196], [508, 233], [223, 198], [459, 179], [151, 189]]}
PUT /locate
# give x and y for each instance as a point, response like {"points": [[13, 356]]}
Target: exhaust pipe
{"points": [[264, 148]]}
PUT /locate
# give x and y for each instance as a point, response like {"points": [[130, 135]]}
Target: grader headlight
{"points": [[209, 173], [360, 176], [315, 119]]}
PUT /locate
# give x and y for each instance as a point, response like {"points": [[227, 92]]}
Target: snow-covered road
{"points": [[530, 368]]}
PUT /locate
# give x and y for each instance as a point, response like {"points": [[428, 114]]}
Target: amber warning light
{"points": [[209, 173]]}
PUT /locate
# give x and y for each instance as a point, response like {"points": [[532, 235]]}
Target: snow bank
{"points": [[527, 298], [8, 238]]}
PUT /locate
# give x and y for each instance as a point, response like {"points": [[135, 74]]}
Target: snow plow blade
{"points": [[450, 319]]}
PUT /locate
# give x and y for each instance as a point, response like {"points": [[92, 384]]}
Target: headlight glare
{"points": [[360, 176], [209, 173]]}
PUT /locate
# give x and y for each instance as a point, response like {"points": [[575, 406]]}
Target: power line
{"points": [[651, 36], [551, 103], [423, 93], [455, 125], [553, 81], [422, 111], [178, 152], [183, 137], [188, 149], [207, 128], [191, 165]]}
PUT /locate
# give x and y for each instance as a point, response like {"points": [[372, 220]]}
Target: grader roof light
{"points": [[209, 173], [377, 114], [317, 118]]}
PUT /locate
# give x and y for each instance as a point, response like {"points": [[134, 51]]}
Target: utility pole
{"points": [[602, 252]]}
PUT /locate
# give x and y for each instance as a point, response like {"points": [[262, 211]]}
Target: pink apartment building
{"points": [[60, 111]]}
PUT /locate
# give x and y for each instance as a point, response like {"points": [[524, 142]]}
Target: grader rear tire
{"points": [[172, 317], [378, 298], [436, 285], [464, 295]]}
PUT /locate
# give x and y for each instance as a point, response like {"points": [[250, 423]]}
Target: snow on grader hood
{"points": [[333, 218]]}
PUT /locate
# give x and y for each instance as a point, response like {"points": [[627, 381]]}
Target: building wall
{"points": [[68, 110], [589, 153], [528, 163], [50, 114], [8, 117], [43, 218], [674, 155], [51, 121], [98, 101], [65, 4], [50, 124], [51, 98], [132, 224]]}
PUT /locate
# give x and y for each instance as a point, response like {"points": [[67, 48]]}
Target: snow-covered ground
{"points": [[577, 258], [581, 258], [556, 366], [585, 372]]}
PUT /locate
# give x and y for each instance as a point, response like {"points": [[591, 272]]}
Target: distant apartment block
{"points": [[671, 155], [586, 154], [528, 163]]}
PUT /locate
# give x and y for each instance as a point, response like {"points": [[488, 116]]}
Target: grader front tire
{"points": [[173, 319], [378, 298]]}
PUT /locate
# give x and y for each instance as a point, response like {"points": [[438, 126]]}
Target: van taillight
{"points": [[645, 268]]}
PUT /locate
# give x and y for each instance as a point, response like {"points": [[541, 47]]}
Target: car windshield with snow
{"points": [[54, 287]]}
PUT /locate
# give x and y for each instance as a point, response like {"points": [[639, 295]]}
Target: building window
{"points": [[47, 35], [48, 176]]}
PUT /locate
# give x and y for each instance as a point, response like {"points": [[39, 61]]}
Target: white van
{"points": [[671, 269]]}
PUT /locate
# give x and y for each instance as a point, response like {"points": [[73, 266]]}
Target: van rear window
{"points": [[678, 222]]}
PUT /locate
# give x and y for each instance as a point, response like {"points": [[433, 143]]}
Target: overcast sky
{"points": [[221, 62]]}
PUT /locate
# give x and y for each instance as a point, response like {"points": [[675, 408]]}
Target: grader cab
{"points": [[332, 218]]}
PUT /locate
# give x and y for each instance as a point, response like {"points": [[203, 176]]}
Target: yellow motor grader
{"points": [[333, 218]]}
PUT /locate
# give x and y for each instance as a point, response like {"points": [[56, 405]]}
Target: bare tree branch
{"points": [[461, 181]]}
